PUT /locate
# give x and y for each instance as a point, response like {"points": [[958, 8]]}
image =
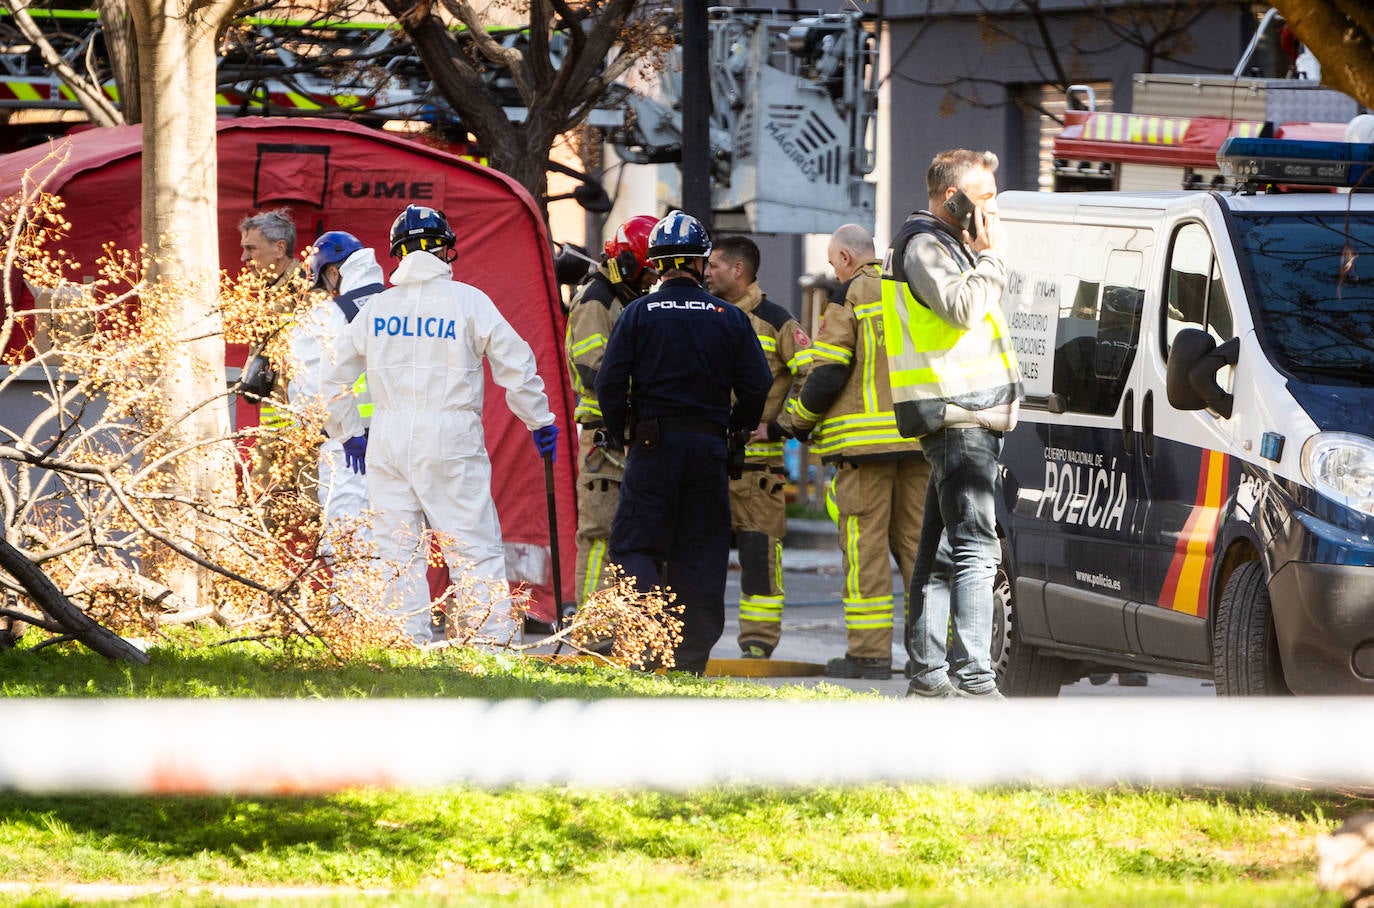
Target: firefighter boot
{"points": [[878, 669]]}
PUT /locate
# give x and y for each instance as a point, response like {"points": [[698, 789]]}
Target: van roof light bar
{"points": [[1297, 162]]}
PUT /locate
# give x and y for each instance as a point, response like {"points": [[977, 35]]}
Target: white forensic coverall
{"points": [[342, 493], [422, 343]]}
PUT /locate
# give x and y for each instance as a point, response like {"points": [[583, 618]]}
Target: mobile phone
{"points": [[962, 208]]}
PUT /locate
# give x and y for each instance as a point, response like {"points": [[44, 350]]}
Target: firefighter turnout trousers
{"points": [[598, 492], [881, 504], [758, 515], [673, 529]]}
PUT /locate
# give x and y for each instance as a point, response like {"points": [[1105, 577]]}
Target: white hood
{"points": [[421, 266], [359, 270]]}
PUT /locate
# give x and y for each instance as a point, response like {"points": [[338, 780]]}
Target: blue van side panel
{"points": [[1021, 475], [1090, 493], [1189, 493]]}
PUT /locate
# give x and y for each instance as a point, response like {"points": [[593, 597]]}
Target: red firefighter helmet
{"points": [[627, 253]]}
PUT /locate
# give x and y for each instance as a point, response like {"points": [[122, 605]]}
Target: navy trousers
{"points": [[672, 529]]}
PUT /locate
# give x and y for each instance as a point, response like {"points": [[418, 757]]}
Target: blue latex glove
{"points": [[355, 453], [546, 441]]}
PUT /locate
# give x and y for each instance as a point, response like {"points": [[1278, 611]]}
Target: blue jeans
{"points": [[956, 564]]}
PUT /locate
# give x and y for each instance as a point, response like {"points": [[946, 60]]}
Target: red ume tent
{"points": [[335, 175]]}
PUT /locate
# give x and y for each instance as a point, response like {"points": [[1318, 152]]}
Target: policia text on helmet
{"points": [[422, 229]]}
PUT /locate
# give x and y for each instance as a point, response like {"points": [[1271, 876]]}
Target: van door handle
{"points": [[1147, 423], [1128, 423]]}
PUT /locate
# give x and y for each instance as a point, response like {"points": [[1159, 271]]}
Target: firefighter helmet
{"points": [[627, 253], [423, 228], [676, 238], [331, 248]]}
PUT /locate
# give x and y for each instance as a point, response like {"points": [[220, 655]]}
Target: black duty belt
{"points": [[690, 424]]}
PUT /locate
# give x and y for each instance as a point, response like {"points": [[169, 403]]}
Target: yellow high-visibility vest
{"points": [[932, 363]]}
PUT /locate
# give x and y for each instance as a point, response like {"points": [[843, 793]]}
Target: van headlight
{"points": [[1340, 466]]}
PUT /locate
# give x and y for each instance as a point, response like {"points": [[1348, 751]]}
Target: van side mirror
{"points": [[1191, 380]]}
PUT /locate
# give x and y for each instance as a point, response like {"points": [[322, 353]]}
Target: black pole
{"points": [[696, 112], [553, 545]]}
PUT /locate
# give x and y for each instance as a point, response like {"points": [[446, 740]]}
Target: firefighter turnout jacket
{"points": [[596, 305], [845, 404], [880, 481], [758, 503]]}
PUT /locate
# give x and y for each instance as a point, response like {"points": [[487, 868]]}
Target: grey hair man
{"points": [[268, 240]]}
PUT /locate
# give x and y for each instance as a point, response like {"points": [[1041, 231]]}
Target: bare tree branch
{"points": [[99, 108]]}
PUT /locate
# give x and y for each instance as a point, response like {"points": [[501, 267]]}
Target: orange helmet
{"points": [[627, 253]]}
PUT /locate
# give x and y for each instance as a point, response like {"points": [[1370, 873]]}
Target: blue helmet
{"points": [[419, 227], [331, 248], [678, 236]]}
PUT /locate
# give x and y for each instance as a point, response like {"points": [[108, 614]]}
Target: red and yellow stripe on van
{"points": [[1185, 588]]}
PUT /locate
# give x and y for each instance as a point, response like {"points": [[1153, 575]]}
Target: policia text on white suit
{"points": [[422, 344]]}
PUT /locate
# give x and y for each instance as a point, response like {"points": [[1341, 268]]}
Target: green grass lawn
{"points": [[916, 845]]}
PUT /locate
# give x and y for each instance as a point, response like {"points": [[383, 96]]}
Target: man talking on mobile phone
{"points": [[955, 386]]}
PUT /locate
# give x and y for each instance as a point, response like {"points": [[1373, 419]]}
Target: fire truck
{"points": [[1178, 124], [793, 125]]}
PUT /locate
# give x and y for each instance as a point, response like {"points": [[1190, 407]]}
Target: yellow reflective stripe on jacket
{"points": [[587, 344], [796, 408], [874, 426], [857, 430], [830, 353], [588, 410], [870, 342], [763, 450], [769, 344]]}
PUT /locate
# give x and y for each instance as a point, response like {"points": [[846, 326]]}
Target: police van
{"points": [[1191, 487]]}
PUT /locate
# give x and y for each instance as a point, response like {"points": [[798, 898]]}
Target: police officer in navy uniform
{"points": [[674, 362]]}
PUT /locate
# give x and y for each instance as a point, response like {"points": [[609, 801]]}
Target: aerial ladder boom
{"points": [[792, 128]]}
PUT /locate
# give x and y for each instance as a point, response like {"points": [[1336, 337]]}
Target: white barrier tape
{"points": [[304, 746]]}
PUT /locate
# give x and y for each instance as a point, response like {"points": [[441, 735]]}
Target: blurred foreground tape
{"points": [[316, 746]]}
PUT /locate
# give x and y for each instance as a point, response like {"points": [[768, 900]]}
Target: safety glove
{"points": [[546, 441], [355, 453]]}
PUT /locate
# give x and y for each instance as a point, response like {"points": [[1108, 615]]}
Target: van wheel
{"points": [[1021, 670], [1245, 646]]}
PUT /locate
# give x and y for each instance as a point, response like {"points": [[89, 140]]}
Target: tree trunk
{"points": [[1340, 34], [121, 43], [523, 155], [60, 609], [176, 67]]}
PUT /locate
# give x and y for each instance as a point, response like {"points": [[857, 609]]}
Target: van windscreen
{"points": [[1312, 285]]}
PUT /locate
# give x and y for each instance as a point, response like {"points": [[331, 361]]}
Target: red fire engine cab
{"points": [[1171, 138]]}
